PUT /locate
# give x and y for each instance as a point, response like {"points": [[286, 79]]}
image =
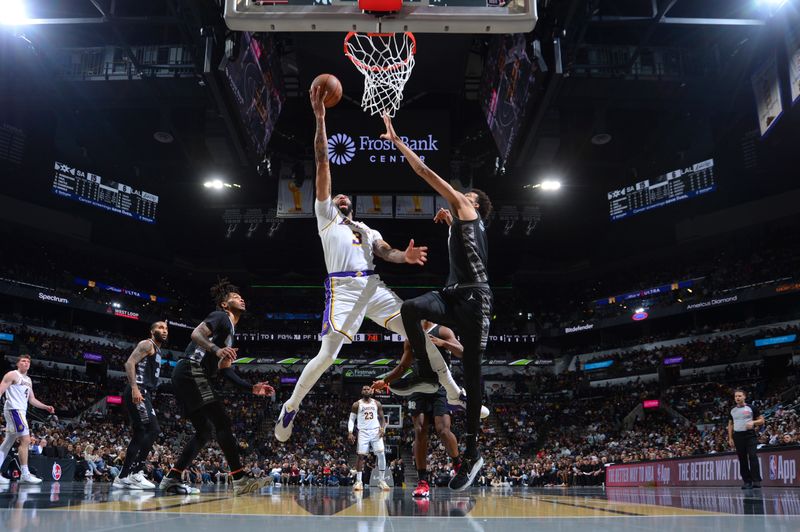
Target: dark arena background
{"points": [[642, 158]]}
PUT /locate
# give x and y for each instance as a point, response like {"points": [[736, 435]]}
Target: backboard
{"points": [[418, 16]]}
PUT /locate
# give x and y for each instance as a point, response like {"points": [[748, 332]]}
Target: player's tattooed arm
{"points": [[321, 145], [412, 254], [142, 350], [200, 337]]}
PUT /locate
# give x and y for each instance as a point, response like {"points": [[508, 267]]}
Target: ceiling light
{"points": [[548, 185], [12, 13]]}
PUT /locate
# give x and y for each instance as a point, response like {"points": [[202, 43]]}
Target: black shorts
{"points": [[428, 403], [191, 386], [143, 415]]}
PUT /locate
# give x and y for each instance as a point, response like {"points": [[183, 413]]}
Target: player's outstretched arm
{"points": [[317, 97], [412, 254], [462, 207]]}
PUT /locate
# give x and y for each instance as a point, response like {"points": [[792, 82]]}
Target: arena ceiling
{"points": [[681, 113]]}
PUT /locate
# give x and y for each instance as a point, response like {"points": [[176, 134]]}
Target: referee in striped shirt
{"points": [[742, 435]]}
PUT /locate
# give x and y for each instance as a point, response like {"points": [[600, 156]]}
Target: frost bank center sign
{"points": [[356, 144]]}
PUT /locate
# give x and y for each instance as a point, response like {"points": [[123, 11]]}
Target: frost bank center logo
{"points": [[342, 148]]}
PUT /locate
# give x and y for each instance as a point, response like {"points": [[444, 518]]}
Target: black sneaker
{"points": [[414, 384], [466, 473], [747, 486]]}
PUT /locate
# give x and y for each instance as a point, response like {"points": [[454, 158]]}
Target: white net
{"points": [[386, 61]]}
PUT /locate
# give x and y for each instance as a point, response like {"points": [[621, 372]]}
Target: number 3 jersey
{"points": [[347, 245], [17, 394]]}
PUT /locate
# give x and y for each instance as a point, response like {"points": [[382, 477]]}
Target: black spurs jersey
{"points": [[148, 369], [222, 331], [468, 247]]}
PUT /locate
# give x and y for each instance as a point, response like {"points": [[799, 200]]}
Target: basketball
{"points": [[331, 86]]}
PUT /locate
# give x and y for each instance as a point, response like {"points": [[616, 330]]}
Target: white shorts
{"points": [[16, 422], [349, 299], [369, 439]]}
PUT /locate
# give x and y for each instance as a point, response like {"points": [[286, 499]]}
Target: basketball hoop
{"points": [[386, 61]]}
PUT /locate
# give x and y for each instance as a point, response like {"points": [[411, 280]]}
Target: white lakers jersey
{"points": [[347, 245], [368, 415], [17, 394]]}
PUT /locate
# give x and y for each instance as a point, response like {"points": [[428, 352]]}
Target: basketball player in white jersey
{"points": [[353, 290], [18, 388], [367, 416]]}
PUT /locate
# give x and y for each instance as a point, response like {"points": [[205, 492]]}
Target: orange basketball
{"points": [[331, 86]]}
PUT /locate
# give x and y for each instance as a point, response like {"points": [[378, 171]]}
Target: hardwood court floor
{"points": [[97, 507]]}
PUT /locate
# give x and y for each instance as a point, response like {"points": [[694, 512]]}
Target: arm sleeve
{"points": [[231, 376], [351, 423]]}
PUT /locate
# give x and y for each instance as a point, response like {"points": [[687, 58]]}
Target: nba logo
{"points": [[56, 472], [773, 467]]}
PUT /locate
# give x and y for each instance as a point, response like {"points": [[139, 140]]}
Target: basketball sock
{"points": [[331, 344], [358, 476], [422, 474], [381, 465], [24, 470]]}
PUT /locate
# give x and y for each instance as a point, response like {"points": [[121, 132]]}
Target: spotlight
{"points": [[219, 184], [13, 13], [639, 310], [549, 185]]}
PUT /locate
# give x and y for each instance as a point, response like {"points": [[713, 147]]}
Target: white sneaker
{"points": [[4, 481], [247, 485], [358, 486], [29, 479], [171, 485], [384, 486], [124, 483], [459, 404], [141, 480], [285, 423]]}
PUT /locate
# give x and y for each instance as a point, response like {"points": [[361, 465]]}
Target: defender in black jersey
{"points": [[465, 304], [211, 352], [142, 368]]}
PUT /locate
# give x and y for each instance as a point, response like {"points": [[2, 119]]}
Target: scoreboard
{"points": [[674, 186], [92, 189]]}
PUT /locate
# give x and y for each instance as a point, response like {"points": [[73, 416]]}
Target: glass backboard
{"points": [[418, 16]]}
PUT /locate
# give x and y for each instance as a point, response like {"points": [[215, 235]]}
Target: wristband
{"points": [[214, 348]]}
